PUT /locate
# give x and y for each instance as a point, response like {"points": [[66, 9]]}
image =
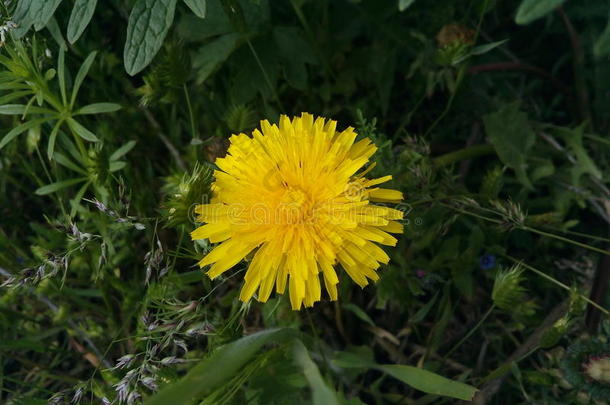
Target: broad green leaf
{"points": [[120, 152], [47, 11], [212, 55], [197, 7], [55, 32], [601, 48], [21, 129], [530, 10], [53, 187], [147, 27], [512, 138], [404, 4], [53, 138], [427, 381], [33, 12], [80, 76], [98, 108], [82, 11], [321, 393], [217, 369], [82, 131]]}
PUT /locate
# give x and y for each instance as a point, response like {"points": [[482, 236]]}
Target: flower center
{"points": [[294, 207]]}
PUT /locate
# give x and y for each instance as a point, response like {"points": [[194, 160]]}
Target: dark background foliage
{"points": [[492, 116]]}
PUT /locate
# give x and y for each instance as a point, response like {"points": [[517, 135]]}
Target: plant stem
{"points": [[190, 108], [555, 281], [474, 329]]}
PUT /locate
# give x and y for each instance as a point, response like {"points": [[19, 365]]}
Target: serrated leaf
{"points": [[147, 27], [321, 393], [80, 76], [122, 151], [404, 4], [79, 18], [98, 108], [53, 187], [82, 131], [20, 129], [197, 6], [218, 368], [512, 138], [530, 10]]}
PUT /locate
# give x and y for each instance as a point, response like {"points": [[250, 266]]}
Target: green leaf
{"points": [[429, 382], [21, 129], [404, 4], [530, 10], [295, 53], [197, 7], [512, 138], [148, 24], [21, 109], [217, 369], [321, 393], [359, 313], [75, 202], [98, 108], [80, 76], [61, 74], [79, 18], [120, 152], [116, 166], [33, 12], [47, 11], [82, 131], [64, 161], [212, 55], [52, 138], [53, 187]]}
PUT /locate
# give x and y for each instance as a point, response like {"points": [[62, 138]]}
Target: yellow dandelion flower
{"points": [[289, 199]]}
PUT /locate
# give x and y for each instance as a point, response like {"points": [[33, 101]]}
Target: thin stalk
{"points": [[561, 238], [555, 281], [470, 333], [190, 108], [265, 75]]}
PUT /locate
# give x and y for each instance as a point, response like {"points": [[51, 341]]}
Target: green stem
{"points": [[463, 154], [470, 333], [262, 68], [561, 238], [190, 108], [555, 281]]}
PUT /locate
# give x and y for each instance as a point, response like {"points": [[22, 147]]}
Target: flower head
{"points": [[290, 198]]}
